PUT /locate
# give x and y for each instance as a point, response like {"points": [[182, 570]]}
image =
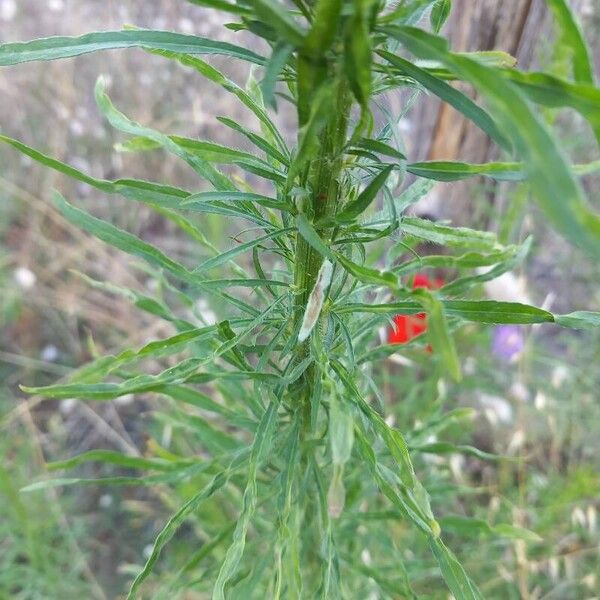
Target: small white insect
{"points": [[315, 300]]}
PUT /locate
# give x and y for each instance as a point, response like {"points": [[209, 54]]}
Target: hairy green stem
{"points": [[324, 179]]}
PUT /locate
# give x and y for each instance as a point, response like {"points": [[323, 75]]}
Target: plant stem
{"points": [[324, 179]]}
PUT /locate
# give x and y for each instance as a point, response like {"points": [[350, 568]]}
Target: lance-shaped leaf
{"points": [[120, 239], [173, 525], [236, 197], [368, 274], [448, 236], [572, 37], [119, 121], [358, 53], [275, 65], [64, 47], [379, 147], [279, 18], [143, 191], [357, 206], [225, 257], [260, 447], [223, 5], [310, 235], [554, 92], [440, 12], [455, 576], [216, 76], [452, 96], [448, 170], [482, 311], [438, 332], [556, 190]]}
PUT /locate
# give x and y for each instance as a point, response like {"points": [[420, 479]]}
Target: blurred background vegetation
{"points": [[542, 409]]}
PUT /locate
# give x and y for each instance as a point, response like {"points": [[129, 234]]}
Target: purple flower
{"points": [[508, 341]]}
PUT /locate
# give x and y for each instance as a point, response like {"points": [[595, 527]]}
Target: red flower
{"points": [[408, 327]]}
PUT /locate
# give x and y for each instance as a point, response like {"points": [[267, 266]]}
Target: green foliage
{"points": [[293, 446]]}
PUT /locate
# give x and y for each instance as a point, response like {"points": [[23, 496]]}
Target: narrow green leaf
{"points": [[439, 14], [448, 236], [229, 255], [223, 5], [379, 147], [369, 275], [275, 65], [119, 121], [120, 239], [556, 190], [446, 170], [143, 191], [579, 320], [469, 260], [470, 526], [392, 438], [480, 311], [310, 235], [358, 53], [438, 332], [279, 18], [216, 76], [341, 430], [357, 206], [63, 47], [457, 580], [448, 448], [257, 140], [554, 92], [173, 525], [262, 444], [115, 458], [194, 199], [572, 37], [448, 94]]}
